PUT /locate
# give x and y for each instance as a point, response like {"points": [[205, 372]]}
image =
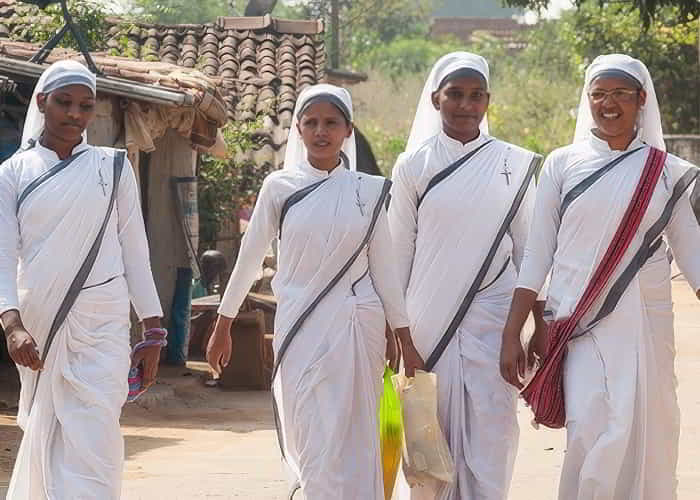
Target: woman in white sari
{"points": [[622, 416], [335, 286], [73, 252], [454, 191]]}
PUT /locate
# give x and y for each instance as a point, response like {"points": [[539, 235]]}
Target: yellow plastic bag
{"points": [[390, 433], [426, 456]]}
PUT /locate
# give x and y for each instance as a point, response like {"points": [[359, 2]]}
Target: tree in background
{"points": [[686, 10], [536, 90], [183, 11]]}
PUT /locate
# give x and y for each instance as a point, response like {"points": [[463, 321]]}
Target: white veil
{"points": [[649, 120], [427, 122], [59, 74], [296, 153]]}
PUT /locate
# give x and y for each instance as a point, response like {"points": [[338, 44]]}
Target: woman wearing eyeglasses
{"points": [[606, 207]]}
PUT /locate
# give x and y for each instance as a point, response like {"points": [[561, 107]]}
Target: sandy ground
{"points": [[193, 442]]}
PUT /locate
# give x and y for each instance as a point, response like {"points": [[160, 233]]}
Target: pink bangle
{"points": [[155, 333]]}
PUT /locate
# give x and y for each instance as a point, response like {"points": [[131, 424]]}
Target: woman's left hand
{"points": [[412, 360], [393, 352], [150, 356]]}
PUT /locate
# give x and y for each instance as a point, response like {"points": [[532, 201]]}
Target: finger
{"points": [[530, 356], [510, 375], [226, 357], [521, 364], [31, 357], [19, 358], [211, 359], [215, 362], [150, 367]]}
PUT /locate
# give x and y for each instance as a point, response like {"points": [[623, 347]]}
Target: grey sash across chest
{"points": [[582, 186], [86, 267], [46, 176], [475, 287], [296, 327], [650, 244], [449, 170]]}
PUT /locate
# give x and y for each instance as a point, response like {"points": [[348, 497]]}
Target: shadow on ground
{"points": [[134, 445]]}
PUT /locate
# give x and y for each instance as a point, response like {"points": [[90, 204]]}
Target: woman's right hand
{"points": [[23, 349], [513, 361], [220, 345]]}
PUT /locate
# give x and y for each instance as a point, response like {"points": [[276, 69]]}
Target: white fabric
{"points": [[649, 120], [329, 383], [622, 414], [296, 153], [59, 74], [427, 122], [72, 446], [439, 249]]}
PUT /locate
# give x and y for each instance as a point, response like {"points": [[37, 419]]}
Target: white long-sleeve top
{"points": [[441, 244], [331, 220], [124, 249], [572, 249], [412, 174]]}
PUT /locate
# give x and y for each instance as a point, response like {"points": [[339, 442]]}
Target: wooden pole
{"points": [[335, 34]]}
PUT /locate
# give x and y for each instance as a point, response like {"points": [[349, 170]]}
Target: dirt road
{"points": [[199, 443]]}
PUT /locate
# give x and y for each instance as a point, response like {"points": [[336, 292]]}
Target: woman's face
{"points": [[615, 104], [462, 103], [323, 128], [67, 111]]}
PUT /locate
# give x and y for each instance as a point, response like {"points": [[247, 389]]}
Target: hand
{"points": [[22, 349], [537, 345], [150, 357], [220, 345], [512, 360], [412, 361], [392, 349]]}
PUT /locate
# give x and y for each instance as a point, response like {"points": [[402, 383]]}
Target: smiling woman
{"points": [[607, 206], [459, 216], [615, 102]]}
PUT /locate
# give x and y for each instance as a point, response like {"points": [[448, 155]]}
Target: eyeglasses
{"points": [[617, 95]]}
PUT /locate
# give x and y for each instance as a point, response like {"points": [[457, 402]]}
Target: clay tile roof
{"points": [[262, 63]]}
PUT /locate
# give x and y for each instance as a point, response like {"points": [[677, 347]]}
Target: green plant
{"points": [[89, 15], [227, 184]]}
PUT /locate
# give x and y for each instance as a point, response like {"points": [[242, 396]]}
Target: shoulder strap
{"points": [[582, 186], [46, 176], [295, 198], [449, 170], [479, 278], [86, 267]]}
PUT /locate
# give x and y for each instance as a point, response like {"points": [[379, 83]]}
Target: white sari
{"points": [[619, 383], [440, 244], [72, 446], [330, 380]]}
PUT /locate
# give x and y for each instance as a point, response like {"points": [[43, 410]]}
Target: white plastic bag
{"points": [[425, 453]]}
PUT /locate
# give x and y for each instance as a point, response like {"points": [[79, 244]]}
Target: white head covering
{"points": [[296, 152], [649, 120], [427, 122], [58, 75]]}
